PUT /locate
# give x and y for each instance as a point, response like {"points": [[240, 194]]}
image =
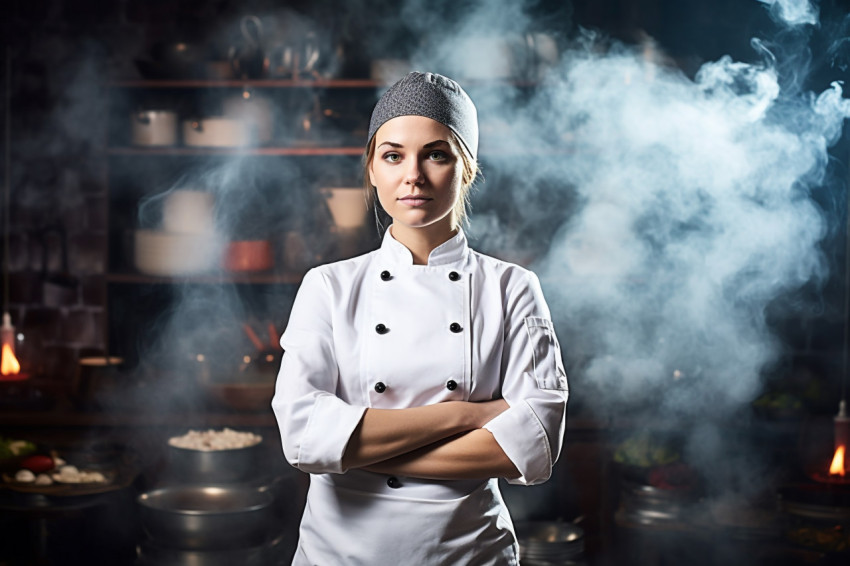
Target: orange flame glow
{"points": [[9, 364], [837, 466]]}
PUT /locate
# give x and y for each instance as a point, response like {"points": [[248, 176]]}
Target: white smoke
{"points": [[793, 12], [686, 204], [695, 215]]}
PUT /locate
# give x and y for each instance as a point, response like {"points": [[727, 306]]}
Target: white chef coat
{"points": [[378, 331]]}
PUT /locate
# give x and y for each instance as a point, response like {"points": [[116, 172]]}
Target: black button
{"points": [[385, 275], [382, 329], [393, 482], [455, 327], [454, 276], [451, 385], [380, 387]]}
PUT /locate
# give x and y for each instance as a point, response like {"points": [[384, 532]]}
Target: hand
{"points": [[486, 411]]}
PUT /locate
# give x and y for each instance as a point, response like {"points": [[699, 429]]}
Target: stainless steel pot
{"points": [[207, 517], [216, 132], [549, 542], [215, 466], [154, 127], [256, 111], [642, 504]]}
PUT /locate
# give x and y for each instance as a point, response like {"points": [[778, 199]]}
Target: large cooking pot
{"points": [[215, 466], [207, 517], [154, 127], [216, 132], [255, 111]]}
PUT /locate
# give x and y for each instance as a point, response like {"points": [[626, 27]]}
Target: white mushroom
{"points": [[43, 479], [210, 440], [69, 471], [25, 476]]}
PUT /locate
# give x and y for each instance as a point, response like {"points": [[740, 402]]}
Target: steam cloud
{"points": [[682, 207], [793, 12], [695, 214]]}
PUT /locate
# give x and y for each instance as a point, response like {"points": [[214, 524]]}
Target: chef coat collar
{"points": [[451, 251]]}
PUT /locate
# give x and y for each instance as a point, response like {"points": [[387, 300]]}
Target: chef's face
{"points": [[417, 172]]}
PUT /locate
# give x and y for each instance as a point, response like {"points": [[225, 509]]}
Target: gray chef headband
{"points": [[432, 96]]}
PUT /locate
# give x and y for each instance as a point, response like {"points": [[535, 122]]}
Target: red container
{"points": [[248, 255]]}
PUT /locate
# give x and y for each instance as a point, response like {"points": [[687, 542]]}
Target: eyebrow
{"points": [[426, 146]]}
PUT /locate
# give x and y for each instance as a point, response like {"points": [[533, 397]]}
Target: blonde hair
{"points": [[469, 173]]}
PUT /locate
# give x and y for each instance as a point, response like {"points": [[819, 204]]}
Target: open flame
{"points": [[837, 466], [10, 368]]}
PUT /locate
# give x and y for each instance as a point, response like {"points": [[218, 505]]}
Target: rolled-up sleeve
{"points": [[315, 425], [534, 384]]}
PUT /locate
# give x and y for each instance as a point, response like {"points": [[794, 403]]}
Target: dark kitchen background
{"points": [[675, 172]]}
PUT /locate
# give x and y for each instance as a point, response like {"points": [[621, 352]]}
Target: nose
{"points": [[413, 175]]}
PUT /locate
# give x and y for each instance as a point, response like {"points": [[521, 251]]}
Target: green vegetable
{"points": [[644, 451], [780, 401], [10, 448]]}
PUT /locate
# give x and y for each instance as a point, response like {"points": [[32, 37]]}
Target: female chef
{"points": [[419, 373]]}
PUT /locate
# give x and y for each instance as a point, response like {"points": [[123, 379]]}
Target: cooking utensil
{"points": [[154, 127], [188, 211], [170, 254], [215, 466], [249, 332], [347, 206], [298, 55], [96, 375], [216, 132], [255, 111], [252, 387], [248, 255], [174, 58], [310, 53], [207, 517], [549, 542], [542, 54], [246, 54], [648, 505]]}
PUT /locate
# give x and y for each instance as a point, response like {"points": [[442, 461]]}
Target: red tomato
{"points": [[38, 463]]}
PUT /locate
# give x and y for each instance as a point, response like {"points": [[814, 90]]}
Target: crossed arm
{"points": [[441, 441]]}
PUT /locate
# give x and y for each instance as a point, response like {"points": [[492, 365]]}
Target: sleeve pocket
{"points": [[548, 365]]}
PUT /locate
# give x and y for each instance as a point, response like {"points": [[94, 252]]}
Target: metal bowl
{"points": [[207, 517], [215, 466]]}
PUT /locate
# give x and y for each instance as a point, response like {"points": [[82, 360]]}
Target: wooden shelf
{"points": [[245, 83], [210, 278], [312, 150], [293, 83]]}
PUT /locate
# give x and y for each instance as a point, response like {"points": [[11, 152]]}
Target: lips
{"points": [[415, 200]]}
